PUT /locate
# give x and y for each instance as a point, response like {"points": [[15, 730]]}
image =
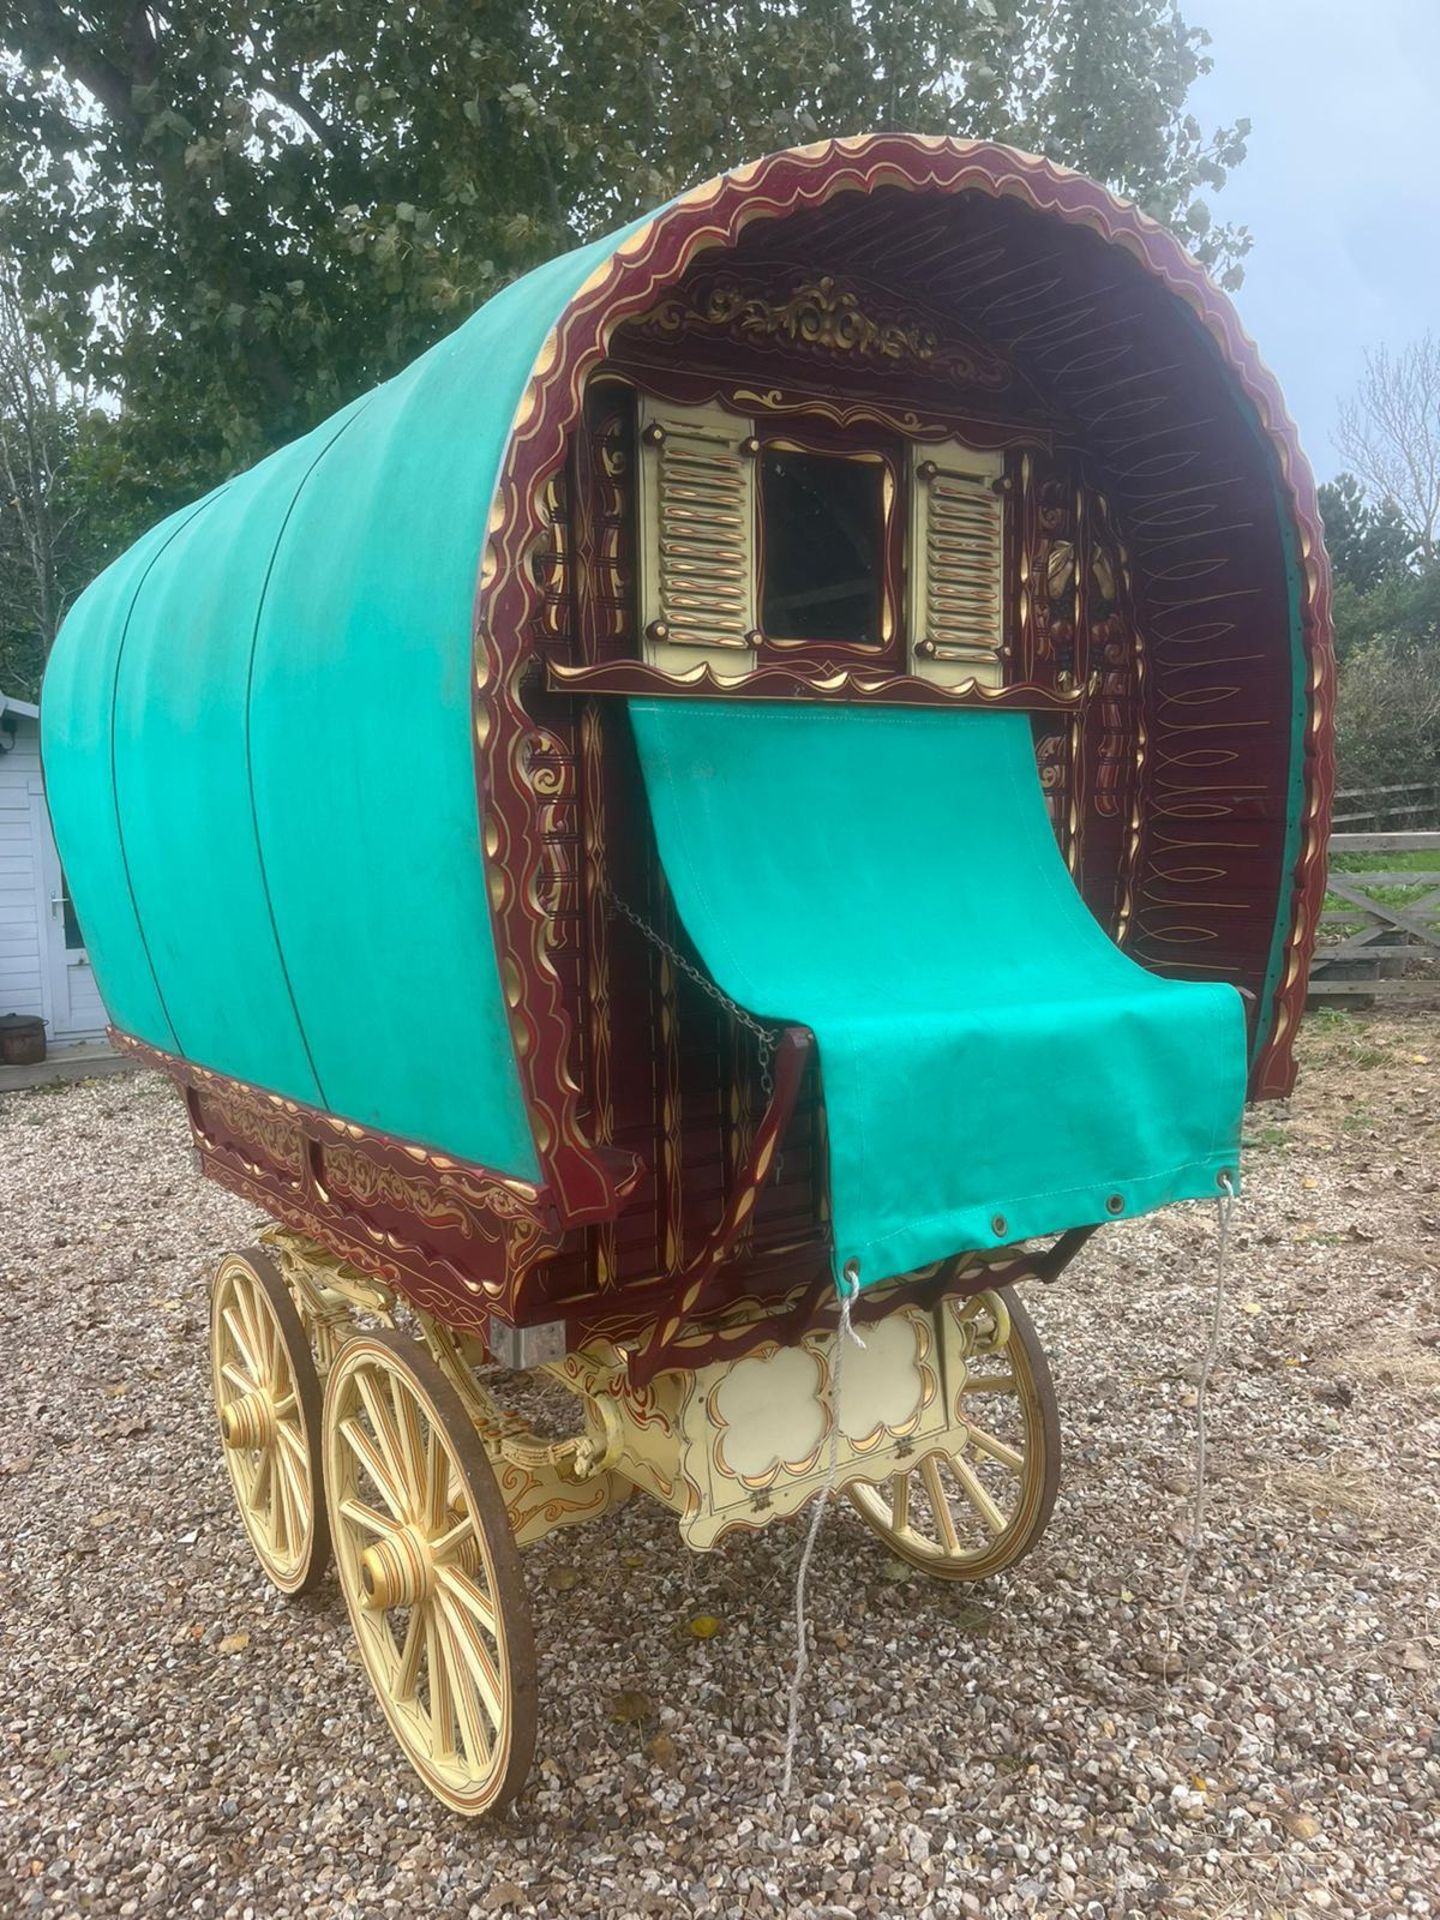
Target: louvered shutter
{"points": [[697, 549], [956, 565]]}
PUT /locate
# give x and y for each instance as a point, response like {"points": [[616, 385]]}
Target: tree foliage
{"points": [[1387, 638], [62, 502], [237, 217], [1366, 543]]}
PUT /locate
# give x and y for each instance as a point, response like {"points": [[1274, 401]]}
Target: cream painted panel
{"points": [[956, 565], [697, 544]]}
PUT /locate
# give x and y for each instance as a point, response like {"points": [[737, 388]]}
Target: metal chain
{"points": [[764, 1036]]}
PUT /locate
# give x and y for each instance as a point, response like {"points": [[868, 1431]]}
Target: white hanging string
{"points": [[848, 1288], [1223, 1208]]}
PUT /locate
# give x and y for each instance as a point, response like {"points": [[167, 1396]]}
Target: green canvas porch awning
{"points": [[993, 1066]]}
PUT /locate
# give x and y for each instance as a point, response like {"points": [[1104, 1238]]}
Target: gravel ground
{"points": [[176, 1740]]}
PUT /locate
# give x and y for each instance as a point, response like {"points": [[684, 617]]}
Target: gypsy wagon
{"points": [[784, 762]]}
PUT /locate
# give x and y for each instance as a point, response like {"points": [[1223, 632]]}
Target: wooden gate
{"points": [[1380, 949]]}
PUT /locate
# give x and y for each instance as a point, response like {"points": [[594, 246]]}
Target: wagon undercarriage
{"points": [[354, 1424]]}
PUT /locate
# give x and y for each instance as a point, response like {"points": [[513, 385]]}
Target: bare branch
{"points": [[1389, 434]]}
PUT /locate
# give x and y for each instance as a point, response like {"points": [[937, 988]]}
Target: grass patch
{"points": [[1349, 1487], [1333, 1022], [1427, 861]]}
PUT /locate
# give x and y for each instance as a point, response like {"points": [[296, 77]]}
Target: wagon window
{"points": [[822, 532]]}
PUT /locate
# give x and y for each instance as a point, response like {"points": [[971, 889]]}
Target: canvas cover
{"points": [[994, 1067]]}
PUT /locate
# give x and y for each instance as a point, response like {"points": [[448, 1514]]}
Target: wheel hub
{"points": [[398, 1571], [249, 1421]]}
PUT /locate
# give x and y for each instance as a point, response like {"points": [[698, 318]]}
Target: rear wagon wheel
{"points": [[267, 1396]]}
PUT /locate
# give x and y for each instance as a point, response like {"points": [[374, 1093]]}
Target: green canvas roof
{"points": [[257, 740]]}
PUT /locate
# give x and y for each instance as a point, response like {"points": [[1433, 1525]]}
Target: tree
{"points": [[1389, 433], [1367, 544], [238, 217], [58, 487], [1387, 716]]}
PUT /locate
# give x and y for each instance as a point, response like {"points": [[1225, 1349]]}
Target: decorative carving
{"points": [[361, 1178], [787, 681], [264, 1123], [821, 315], [467, 1236]]}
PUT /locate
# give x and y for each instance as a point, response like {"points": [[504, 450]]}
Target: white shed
{"points": [[43, 964]]}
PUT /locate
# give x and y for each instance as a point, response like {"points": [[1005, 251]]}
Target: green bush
{"points": [[1387, 720]]}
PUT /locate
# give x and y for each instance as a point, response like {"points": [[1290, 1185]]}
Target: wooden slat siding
{"points": [[21, 957]]}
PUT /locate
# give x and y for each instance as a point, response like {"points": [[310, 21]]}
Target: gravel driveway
{"points": [[176, 1740]]}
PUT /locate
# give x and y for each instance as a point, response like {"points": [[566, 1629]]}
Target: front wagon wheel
{"points": [[979, 1499], [430, 1572]]}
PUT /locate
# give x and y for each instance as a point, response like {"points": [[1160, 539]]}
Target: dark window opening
{"points": [[74, 938], [822, 523]]}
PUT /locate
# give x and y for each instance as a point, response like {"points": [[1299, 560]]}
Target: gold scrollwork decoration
{"points": [[362, 1179], [255, 1122], [822, 315]]}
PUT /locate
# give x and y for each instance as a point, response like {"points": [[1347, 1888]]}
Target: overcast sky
{"points": [[1341, 188]]}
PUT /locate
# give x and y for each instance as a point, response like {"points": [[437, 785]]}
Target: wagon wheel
{"points": [[981, 1498], [268, 1399], [430, 1571]]}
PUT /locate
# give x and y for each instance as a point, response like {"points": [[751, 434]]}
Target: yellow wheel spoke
{"points": [[1000, 1450], [460, 1587], [453, 1539], [260, 1485], [236, 1377], [473, 1682], [294, 1440], [437, 1487], [386, 1437], [281, 1509], [295, 1480], [977, 1496], [900, 1501], [412, 1446], [242, 1346], [361, 1515], [258, 1326], [366, 1452], [442, 1703], [408, 1671], [988, 1383], [939, 1502]]}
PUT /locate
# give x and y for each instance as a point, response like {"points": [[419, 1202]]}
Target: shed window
{"points": [[822, 532]]}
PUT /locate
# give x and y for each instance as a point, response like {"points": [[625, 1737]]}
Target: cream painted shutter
{"points": [[697, 547], [956, 565]]}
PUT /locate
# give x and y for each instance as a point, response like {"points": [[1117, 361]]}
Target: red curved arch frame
{"points": [[525, 776]]}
